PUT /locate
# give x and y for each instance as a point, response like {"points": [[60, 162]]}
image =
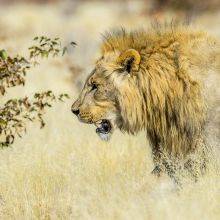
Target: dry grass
{"points": [[65, 171]]}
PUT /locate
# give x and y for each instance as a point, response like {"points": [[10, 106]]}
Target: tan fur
{"points": [[162, 92]]}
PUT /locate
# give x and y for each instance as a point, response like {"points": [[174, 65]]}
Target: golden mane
{"points": [[140, 40]]}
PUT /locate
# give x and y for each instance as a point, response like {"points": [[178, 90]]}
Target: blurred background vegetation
{"points": [[196, 5], [64, 171]]}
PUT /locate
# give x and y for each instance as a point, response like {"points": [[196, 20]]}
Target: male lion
{"points": [[151, 81]]}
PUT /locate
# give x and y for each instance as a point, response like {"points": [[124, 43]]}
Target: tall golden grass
{"points": [[64, 171]]}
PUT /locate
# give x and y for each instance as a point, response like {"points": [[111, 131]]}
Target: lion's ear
{"points": [[130, 60]]}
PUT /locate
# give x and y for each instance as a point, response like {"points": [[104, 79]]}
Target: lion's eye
{"points": [[94, 86]]}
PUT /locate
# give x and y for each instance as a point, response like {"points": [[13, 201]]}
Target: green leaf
{"points": [[73, 44], [64, 50], [3, 54], [2, 122]]}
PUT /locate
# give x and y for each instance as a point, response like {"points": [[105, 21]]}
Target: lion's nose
{"points": [[75, 111], [75, 107]]}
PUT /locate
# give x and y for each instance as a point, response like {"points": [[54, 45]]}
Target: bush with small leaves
{"points": [[16, 113]]}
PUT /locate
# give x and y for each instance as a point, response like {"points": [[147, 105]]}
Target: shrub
{"points": [[16, 113]]}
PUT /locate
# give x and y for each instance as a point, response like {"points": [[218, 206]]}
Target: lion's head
{"points": [[110, 92]]}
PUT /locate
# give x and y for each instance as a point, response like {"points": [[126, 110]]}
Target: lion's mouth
{"points": [[104, 129]]}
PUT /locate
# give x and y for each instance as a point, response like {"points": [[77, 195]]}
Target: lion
{"points": [[151, 81]]}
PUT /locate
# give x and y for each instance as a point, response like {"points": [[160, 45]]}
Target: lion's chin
{"points": [[104, 129]]}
